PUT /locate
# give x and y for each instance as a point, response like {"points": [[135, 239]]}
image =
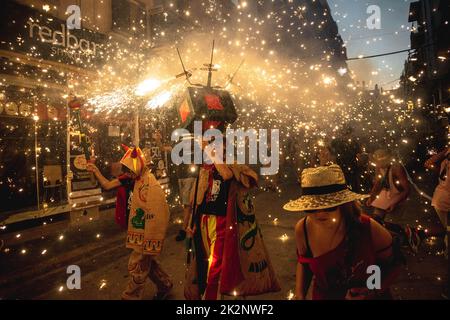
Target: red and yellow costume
{"points": [[230, 256]]}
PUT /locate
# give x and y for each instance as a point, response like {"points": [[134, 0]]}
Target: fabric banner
{"points": [[247, 269], [246, 266], [149, 216]]}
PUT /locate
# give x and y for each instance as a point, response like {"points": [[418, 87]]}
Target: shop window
{"points": [[17, 160], [32, 151]]}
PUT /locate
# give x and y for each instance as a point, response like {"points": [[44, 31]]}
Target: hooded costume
{"points": [[149, 215], [239, 264], [147, 225]]}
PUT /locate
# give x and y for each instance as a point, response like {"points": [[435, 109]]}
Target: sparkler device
{"points": [[75, 104], [212, 105], [85, 196]]}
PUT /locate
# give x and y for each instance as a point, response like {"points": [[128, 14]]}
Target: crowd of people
{"points": [[343, 229]]}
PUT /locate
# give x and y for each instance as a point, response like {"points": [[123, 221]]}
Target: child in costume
{"points": [[147, 225], [148, 219]]}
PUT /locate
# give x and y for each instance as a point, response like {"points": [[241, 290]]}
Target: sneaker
{"points": [[413, 237], [181, 236]]}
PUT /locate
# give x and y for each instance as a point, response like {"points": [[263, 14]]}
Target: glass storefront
{"points": [[32, 151]]}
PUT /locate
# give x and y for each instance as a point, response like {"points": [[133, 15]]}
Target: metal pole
{"points": [[211, 67], [148, 24], [136, 127], [36, 164], [68, 172]]}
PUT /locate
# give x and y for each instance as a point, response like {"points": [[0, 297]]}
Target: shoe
{"points": [[163, 294], [181, 236], [413, 237]]}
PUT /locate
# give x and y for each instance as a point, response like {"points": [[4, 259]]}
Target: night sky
{"points": [[394, 34]]}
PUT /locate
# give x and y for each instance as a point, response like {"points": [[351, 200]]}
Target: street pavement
{"points": [[98, 248]]}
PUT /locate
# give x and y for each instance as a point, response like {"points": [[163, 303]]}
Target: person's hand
{"points": [[429, 164], [357, 294], [92, 168], [190, 232]]}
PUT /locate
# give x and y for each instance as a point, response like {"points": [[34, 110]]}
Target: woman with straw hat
{"points": [[336, 243]]}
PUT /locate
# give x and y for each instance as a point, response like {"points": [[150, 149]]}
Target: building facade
{"points": [[41, 63], [427, 71]]}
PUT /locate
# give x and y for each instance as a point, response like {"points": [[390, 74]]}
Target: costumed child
{"points": [[124, 185], [147, 225], [141, 208]]}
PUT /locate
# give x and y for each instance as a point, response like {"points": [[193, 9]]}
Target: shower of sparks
{"points": [[147, 86], [294, 78]]}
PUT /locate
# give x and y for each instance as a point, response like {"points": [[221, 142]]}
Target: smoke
{"points": [[290, 79]]}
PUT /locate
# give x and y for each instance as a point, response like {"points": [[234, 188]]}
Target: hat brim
{"points": [[317, 202]]}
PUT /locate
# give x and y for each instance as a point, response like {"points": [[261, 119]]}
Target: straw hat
{"points": [[382, 157], [323, 188]]}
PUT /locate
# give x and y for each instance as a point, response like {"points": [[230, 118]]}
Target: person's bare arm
{"points": [[302, 276], [376, 189], [382, 242], [434, 161], [105, 183], [401, 183], [381, 239]]}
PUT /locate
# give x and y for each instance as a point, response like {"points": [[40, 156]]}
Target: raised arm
{"points": [[303, 275], [105, 183], [386, 257], [401, 183], [434, 161]]}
